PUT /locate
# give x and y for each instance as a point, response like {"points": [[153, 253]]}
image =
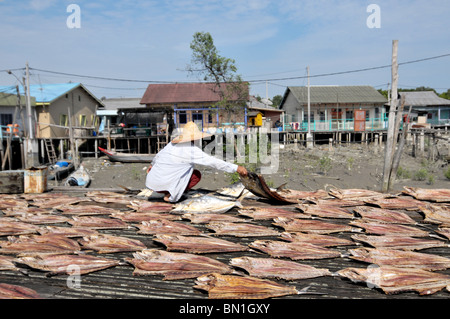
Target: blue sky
{"points": [[269, 40]]}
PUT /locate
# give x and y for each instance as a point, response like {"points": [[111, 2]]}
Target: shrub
{"points": [[403, 173], [325, 164], [420, 175], [447, 173]]}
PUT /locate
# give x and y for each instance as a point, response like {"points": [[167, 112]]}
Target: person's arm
{"points": [[242, 171], [197, 156]]}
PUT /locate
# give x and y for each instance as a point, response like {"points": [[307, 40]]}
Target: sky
{"points": [[117, 48]]}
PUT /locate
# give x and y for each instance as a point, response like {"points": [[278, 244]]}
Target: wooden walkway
{"points": [[119, 282]]}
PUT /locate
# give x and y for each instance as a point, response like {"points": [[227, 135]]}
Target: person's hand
{"points": [[149, 168], [242, 171]]}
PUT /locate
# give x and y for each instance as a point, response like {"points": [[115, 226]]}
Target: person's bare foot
{"points": [[166, 198]]}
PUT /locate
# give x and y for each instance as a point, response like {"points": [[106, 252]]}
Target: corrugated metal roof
{"points": [[122, 103], [181, 93], [337, 94], [423, 98]]}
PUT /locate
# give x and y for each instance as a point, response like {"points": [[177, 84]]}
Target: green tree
{"points": [[276, 100], [212, 67]]}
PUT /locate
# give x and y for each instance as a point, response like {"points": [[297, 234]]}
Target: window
{"points": [[63, 120], [182, 117], [210, 116], [349, 114], [322, 115], [82, 120], [6, 119], [311, 116]]}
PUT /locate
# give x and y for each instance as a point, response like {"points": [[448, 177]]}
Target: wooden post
{"points": [[330, 144], [391, 121], [421, 143], [72, 150]]}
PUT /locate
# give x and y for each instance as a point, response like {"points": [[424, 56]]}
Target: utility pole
{"points": [[392, 120], [309, 143], [32, 147]]}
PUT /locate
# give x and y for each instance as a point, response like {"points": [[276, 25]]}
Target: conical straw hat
{"points": [[190, 133]]}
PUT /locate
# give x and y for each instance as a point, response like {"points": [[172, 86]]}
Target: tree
{"points": [[207, 63], [276, 100]]}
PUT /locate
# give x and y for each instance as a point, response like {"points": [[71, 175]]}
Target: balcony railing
{"points": [[371, 124]]}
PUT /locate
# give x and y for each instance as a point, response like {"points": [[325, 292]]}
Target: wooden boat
{"points": [[79, 178], [127, 157], [60, 170]]}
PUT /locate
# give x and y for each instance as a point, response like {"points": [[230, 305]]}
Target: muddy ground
{"points": [[345, 166]]}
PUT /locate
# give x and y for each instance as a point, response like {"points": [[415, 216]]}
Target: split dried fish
{"points": [[293, 250], [205, 204], [65, 264], [241, 229], [40, 219], [140, 217], [390, 229], [267, 213], [163, 226], [295, 195], [104, 244], [237, 287], [197, 244], [316, 239], [39, 244], [354, 193], [399, 242], [175, 266], [8, 228], [12, 203], [207, 218], [58, 201], [434, 195], [395, 203], [13, 211], [98, 222], [7, 263], [277, 269], [67, 231], [311, 226], [326, 211], [382, 215], [400, 258], [444, 232], [394, 280], [8, 291], [86, 210], [436, 214]]}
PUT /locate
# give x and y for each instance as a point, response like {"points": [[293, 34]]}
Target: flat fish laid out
{"points": [[205, 204], [241, 229], [40, 219], [293, 250], [238, 287], [39, 244], [163, 226], [8, 291], [7, 263], [399, 242], [234, 190], [13, 211], [198, 244], [11, 227], [393, 280], [58, 201], [336, 202], [316, 239], [256, 184], [436, 214], [208, 218], [174, 266], [67, 231], [326, 211], [400, 258], [382, 215], [432, 195], [353, 193], [395, 203], [444, 232], [267, 213], [311, 226], [104, 244], [144, 216], [150, 206], [12, 203], [98, 222], [67, 264], [277, 269], [374, 228], [295, 195], [86, 210]]}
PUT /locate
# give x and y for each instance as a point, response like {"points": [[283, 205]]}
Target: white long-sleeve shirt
{"points": [[172, 168]]}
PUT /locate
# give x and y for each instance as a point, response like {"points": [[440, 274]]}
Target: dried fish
{"points": [[205, 204], [354, 193], [67, 264], [11, 227], [236, 287], [444, 232], [39, 244], [311, 226], [394, 280], [67, 231], [98, 222], [104, 244], [207, 218], [383, 215], [8, 291], [256, 184], [41, 219], [86, 210], [399, 242], [436, 214], [390, 229], [293, 250], [13, 211], [241, 229], [326, 211], [277, 269], [400, 258], [316, 239], [163, 226], [434, 195], [12, 203], [296, 195], [58, 201], [140, 217], [267, 213], [145, 206], [395, 203], [7, 263], [197, 244], [175, 266]]}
